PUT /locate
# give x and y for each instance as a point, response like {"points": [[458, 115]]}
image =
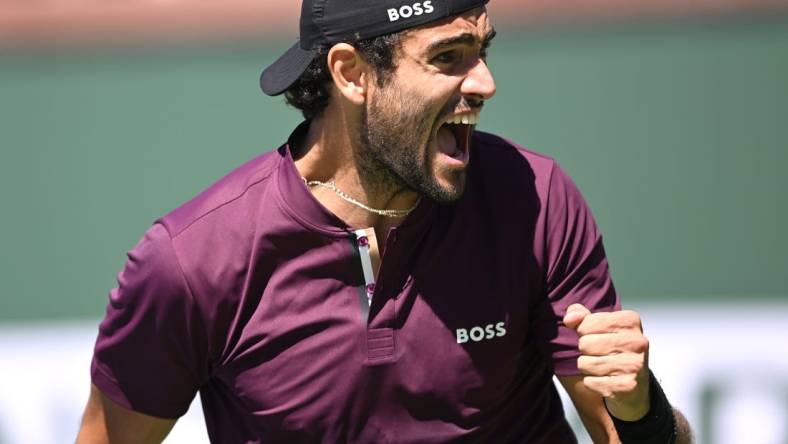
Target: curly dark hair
{"points": [[311, 92]]}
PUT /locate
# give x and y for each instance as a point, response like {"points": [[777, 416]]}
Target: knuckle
{"points": [[639, 364], [586, 326], [642, 345], [584, 344], [623, 364], [631, 317], [585, 329], [583, 363], [593, 384], [634, 365], [628, 384]]}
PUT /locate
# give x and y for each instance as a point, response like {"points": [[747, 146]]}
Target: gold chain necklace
{"points": [[386, 213]]}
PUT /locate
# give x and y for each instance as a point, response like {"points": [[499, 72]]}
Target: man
{"points": [[388, 275]]}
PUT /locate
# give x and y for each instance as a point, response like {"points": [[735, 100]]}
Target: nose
{"points": [[479, 81]]}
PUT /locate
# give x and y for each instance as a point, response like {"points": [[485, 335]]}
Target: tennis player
{"points": [[388, 275]]}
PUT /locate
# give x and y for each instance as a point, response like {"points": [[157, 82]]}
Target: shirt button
{"points": [[371, 288], [363, 241]]}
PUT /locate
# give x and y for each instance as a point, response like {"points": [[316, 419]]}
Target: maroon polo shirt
{"points": [[256, 296]]}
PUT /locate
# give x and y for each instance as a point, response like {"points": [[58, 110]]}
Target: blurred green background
{"points": [[677, 133]]}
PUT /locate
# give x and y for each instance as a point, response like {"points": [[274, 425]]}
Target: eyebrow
{"points": [[466, 38]]}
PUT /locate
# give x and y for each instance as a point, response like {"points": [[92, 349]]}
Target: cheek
{"points": [[417, 110], [419, 98]]}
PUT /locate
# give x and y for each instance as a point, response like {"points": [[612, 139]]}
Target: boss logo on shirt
{"points": [[411, 10], [477, 334]]}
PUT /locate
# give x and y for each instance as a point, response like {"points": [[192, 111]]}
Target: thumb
{"points": [[575, 315]]}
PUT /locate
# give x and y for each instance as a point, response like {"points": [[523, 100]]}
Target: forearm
{"points": [[105, 421], [683, 429]]}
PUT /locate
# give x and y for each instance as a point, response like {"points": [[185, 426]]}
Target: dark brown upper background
{"points": [[67, 23]]}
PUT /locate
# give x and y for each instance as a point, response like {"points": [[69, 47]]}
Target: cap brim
{"points": [[285, 70]]}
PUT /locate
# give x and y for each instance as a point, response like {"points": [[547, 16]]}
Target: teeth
{"points": [[467, 119]]}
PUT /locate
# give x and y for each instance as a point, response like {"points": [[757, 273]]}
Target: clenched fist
{"points": [[613, 358]]}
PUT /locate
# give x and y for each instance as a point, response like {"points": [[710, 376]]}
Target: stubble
{"points": [[393, 156]]}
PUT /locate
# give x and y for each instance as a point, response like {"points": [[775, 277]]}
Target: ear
{"points": [[349, 72]]}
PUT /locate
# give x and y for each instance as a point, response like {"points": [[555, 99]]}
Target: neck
{"points": [[331, 152]]}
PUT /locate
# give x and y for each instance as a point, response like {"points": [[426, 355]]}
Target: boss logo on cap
{"points": [[411, 10]]}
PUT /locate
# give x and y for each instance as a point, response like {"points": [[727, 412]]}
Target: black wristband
{"points": [[657, 427]]}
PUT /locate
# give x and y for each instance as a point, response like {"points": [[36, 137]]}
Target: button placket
{"points": [[363, 245], [370, 290]]}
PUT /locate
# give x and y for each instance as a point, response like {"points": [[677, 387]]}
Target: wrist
{"points": [[629, 411], [633, 407], [656, 426]]}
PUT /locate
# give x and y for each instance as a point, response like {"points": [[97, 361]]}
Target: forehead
{"points": [[475, 22]]}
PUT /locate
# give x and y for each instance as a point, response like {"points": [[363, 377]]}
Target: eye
{"points": [[447, 57]]}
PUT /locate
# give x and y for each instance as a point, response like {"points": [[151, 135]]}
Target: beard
{"points": [[395, 136]]}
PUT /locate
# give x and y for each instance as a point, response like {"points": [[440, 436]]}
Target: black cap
{"points": [[328, 22]]}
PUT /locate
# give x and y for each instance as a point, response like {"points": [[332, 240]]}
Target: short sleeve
{"points": [[149, 355], [576, 272]]}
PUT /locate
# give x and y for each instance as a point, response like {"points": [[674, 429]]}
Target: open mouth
{"points": [[454, 136]]}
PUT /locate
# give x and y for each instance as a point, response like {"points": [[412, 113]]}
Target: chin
{"points": [[448, 188]]}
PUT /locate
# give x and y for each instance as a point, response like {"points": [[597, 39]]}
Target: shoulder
{"points": [[494, 152], [233, 196], [496, 145], [505, 165], [520, 184]]}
